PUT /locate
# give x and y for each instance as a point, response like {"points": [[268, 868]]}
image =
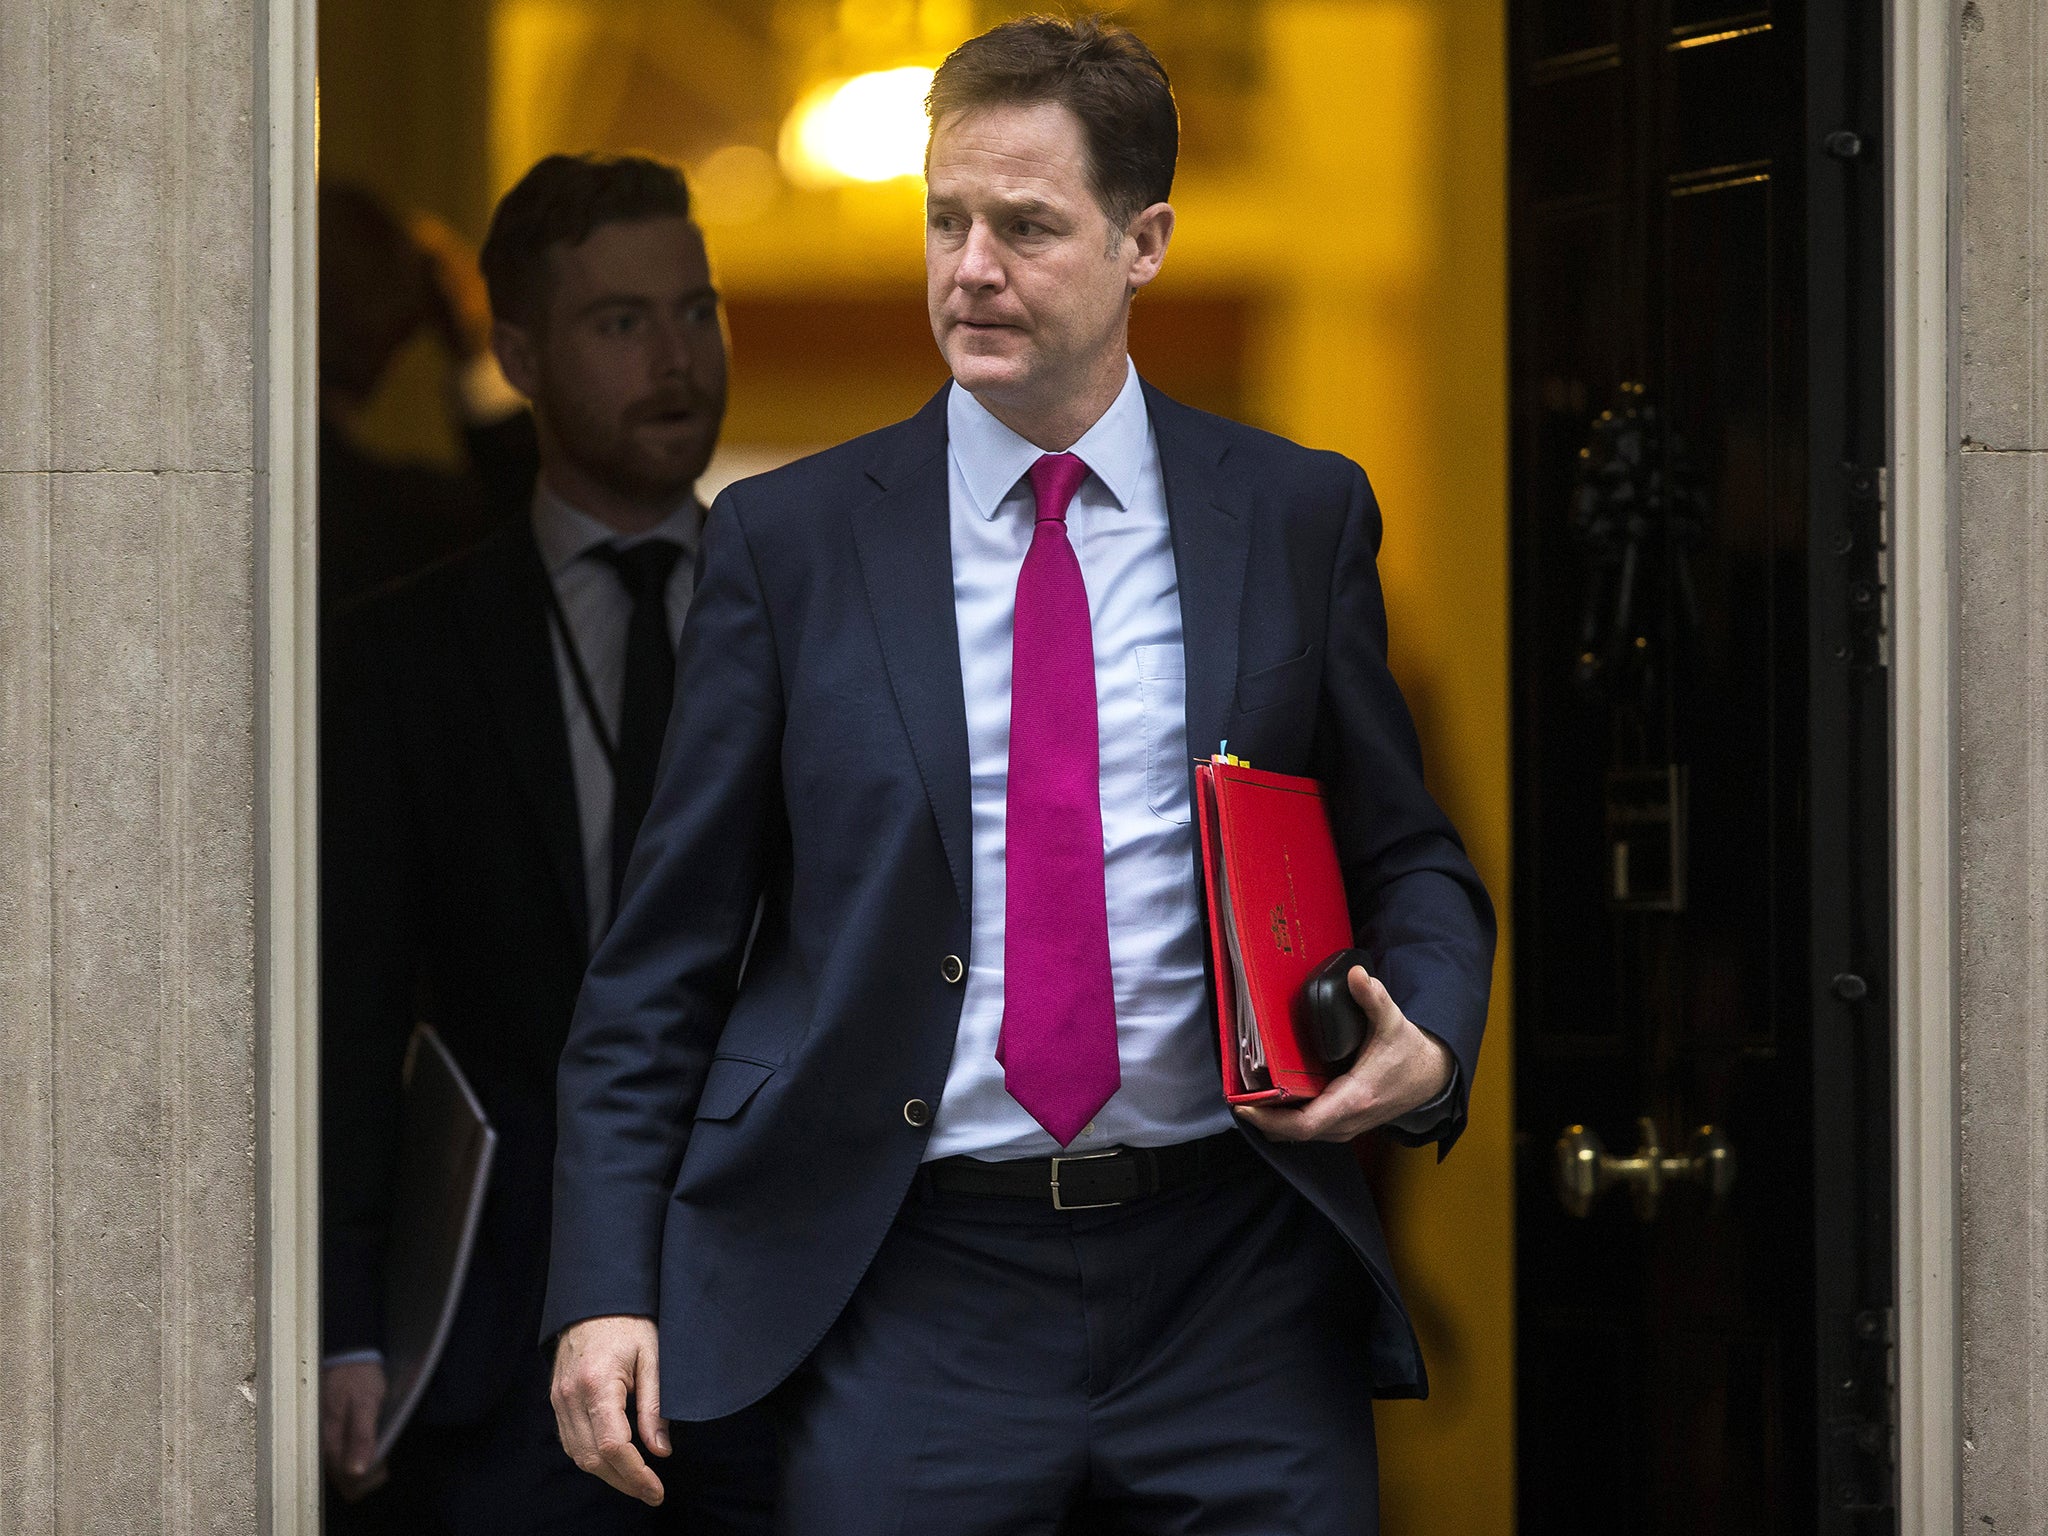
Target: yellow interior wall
{"points": [[1397, 355], [1388, 342], [1364, 222], [404, 111]]}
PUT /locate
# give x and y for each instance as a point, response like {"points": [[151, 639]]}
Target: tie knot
{"points": [[644, 568], [1054, 479]]}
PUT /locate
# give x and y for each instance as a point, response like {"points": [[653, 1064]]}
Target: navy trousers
{"points": [[1192, 1363], [508, 1476]]}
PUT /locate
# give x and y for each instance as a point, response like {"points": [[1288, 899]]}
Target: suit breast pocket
{"points": [[731, 1082], [1163, 691], [1291, 681]]}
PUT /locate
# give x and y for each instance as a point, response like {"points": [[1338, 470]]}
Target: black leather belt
{"points": [[1084, 1181]]}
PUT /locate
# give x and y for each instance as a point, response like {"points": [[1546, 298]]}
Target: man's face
{"points": [[627, 374], [1028, 286]]}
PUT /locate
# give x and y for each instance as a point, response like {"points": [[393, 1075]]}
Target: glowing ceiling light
{"points": [[869, 128]]}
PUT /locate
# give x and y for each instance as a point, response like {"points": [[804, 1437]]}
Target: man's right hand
{"points": [[351, 1397], [598, 1362]]}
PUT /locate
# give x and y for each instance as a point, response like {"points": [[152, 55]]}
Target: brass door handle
{"points": [[1586, 1169]]}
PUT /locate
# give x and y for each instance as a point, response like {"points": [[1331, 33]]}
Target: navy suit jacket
{"points": [[732, 1140]]}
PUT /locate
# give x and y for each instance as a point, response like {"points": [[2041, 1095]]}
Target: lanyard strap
{"points": [[581, 678]]}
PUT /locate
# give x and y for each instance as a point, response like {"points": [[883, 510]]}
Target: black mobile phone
{"points": [[1337, 1023]]}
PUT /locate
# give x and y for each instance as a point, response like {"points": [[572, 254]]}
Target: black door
{"points": [[1702, 1070]]}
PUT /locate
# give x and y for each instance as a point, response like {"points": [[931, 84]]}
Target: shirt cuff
{"points": [[353, 1357]]}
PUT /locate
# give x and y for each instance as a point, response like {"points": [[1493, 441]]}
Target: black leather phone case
{"points": [[1338, 1023]]}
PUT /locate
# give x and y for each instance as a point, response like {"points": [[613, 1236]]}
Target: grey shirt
{"points": [[597, 609]]}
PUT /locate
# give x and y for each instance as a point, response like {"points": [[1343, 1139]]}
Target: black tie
{"points": [[650, 684]]}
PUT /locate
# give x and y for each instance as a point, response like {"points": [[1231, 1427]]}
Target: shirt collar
{"points": [[992, 458], [565, 533]]}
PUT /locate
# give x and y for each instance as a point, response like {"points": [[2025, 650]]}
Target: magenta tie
{"points": [[1058, 1046]]}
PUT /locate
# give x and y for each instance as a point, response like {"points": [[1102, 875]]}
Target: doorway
{"points": [[1339, 276], [1322, 356], [1705, 1308]]}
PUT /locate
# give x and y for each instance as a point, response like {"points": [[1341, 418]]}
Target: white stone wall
{"points": [[2002, 659], [127, 767]]}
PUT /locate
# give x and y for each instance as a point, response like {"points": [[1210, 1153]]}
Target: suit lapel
{"points": [[906, 558], [906, 561], [504, 620], [1211, 535]]}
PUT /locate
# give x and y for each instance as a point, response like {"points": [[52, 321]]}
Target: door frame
{"points": [[285, 151], [1922, 172], [1923, 175]]}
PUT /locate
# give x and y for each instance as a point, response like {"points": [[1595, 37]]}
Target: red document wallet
{"points": [[1276, 910]]}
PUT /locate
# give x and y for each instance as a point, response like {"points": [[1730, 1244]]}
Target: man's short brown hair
{"points": [[1098, 71], [559, 202]]}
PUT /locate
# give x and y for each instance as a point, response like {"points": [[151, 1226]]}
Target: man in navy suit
{"points": [[891, 1097]]}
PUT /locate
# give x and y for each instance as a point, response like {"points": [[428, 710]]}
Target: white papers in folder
{"points": [[444, 1167], [1251, 1047]]}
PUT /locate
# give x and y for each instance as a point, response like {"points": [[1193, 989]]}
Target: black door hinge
{"points": [[1860, 1420], [1858, 563]]}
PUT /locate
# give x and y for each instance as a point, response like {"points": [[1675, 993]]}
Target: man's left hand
{"points": [[1400, 1068]]}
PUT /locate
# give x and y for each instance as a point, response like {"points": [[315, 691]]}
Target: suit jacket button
{"points": [[917, 1113], [951, 968]]}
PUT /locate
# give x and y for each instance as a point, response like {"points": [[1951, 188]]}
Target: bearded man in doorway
{"points": [[891, 1097], [490, 734]]}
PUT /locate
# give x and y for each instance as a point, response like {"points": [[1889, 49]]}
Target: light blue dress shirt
{"points": [[1117, 524], [1171, 1088]]}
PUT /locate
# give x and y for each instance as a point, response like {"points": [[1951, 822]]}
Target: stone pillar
{"points": [[128, 766], [2002, 662]]}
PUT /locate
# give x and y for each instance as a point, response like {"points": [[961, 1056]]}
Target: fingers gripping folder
{"points": [[1279, 933]]}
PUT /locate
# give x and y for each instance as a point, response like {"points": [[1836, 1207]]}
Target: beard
{"points": [[622, 454]]}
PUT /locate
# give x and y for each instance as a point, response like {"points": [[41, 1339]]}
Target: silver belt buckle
{"points": [[1080, 1157]]}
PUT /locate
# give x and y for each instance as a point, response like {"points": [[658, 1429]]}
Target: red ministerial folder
{"points": [[1276, 911]]}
